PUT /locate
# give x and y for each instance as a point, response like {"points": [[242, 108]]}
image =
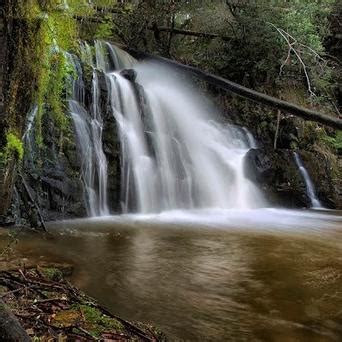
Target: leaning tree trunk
{"points": [[304, 113]]}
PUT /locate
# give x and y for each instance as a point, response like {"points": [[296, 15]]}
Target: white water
{"points": [[310, 189], [175, 153], [28, 136], [29, 124], [89, 126]]}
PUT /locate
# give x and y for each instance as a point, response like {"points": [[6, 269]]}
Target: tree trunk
{"points": [[17, 41], [304, 113]]}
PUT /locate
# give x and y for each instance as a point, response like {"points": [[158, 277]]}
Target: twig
{"points": [[87, 333], [40, 301], [16, 290], [22, 274]]}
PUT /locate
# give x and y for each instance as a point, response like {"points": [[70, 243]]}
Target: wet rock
{"points": [[325, 173], [51, 173], [276, 173], [129, 74], [288, 133], [112, 150]]}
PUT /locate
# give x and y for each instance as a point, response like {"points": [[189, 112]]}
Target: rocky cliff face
{"points": [[52, 171], [49, 179], [276, 172]]}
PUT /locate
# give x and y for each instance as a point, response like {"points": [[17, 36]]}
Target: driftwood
{"points": [[304, 113]]}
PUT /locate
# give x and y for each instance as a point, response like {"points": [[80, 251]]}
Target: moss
{"points": [[36, 339], [51, 273], [89, 317], [14, 147], [97, 322], [67, 318], [51, 30]]}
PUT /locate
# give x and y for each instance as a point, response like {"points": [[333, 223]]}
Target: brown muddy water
{"points": [[259, 275]]}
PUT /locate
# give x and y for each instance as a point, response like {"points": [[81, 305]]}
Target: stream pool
{"points": [[261, 275]]}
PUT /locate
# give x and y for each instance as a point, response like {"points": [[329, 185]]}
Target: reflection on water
{"points": [[264, 275]]}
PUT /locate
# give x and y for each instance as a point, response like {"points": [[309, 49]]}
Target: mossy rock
{"points": [[98, 322], [67, 318]]}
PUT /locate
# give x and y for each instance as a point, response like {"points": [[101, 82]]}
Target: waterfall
{"points": [[89, 126], [310, 189], [175, 152]]}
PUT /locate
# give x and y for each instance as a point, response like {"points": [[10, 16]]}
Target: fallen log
{"points": [[304, 113]]}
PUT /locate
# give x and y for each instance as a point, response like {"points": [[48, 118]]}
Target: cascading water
{"points": [[88, 127], [310, 189], [28, 136], [175, 154]]}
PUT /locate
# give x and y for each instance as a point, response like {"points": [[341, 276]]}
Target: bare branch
{"points": [[287, 37]]}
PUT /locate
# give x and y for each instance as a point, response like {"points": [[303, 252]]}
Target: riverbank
{"points": [[48, 307]]}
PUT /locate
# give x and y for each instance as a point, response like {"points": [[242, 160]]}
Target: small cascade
{"points": [[28, 136], [310, 189], [89, 126], [252, 142]]}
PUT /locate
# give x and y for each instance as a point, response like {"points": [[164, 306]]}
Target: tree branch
{"points": [[187, 32], [290, 44]]}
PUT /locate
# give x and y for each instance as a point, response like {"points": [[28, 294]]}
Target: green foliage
{"points": [[104, 29], [55, 32], [307, 20], [14, 146], [251, 50], [334, 141]]}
